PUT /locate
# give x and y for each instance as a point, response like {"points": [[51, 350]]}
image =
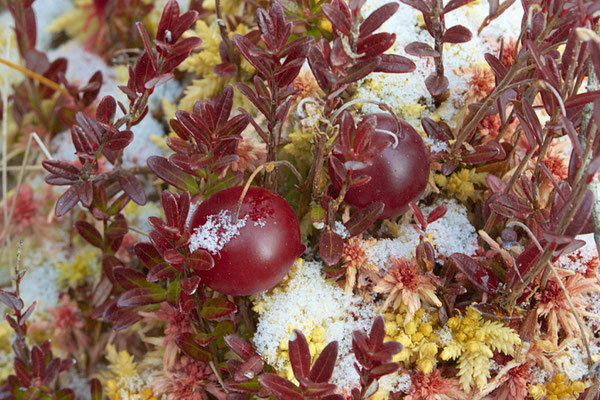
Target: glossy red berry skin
{"points": [[398, 175], [265, 248]]}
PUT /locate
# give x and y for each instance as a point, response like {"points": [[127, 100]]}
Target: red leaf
{"points": [[374, 45], [171, 174], [89, 233], [200, 260], [454, 4], [279, 387], [476, 273], [190, 285], [436, 85], [511, 206], [384, 369], [420, 49], [192, 348], [142, 296], [129, 278], [133, 187], [437, 213], [418, 4], [106, 109], [66, 201], [95, 389], [331, 246], [377, 333], [217, 308], [377, 18], [119, 141], [299, 355], [240, 347], [360, 70], [395, 64], [249, 369], [457, 34], [62, 169], [337, 18], [11, 300], [159, 272], [322, 369], [364, 218]]}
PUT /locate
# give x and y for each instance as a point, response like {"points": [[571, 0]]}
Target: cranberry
{"points": [[398, 175], [253, 252]]}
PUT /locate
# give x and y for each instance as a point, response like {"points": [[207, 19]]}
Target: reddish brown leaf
{"points": [[279, 387], [337, 18], [436, 85], [142, 296], [377, 18], [240, 347], [322, 369], [171, 174], [457, 34], [89, 233], [66, 201], [395, 64], [11, 300], [217, 308], [299, 355], [364, 218], [476, 273], [511, 206], [249, 369], [420, 49], [192, 348], [454, 4], [331, 246]]}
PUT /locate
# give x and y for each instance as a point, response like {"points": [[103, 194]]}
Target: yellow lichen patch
{"points": [[416, 334], [473, 341], [76, 272], [6, 338], [558, 388], [462, 183]]}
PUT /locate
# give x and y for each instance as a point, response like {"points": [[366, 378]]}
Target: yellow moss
{"points": [[75, 273], [473, 342], [559, 388], [416, 336], [300, 147], [412, 110], [325, 25], [462, 183], [122, 381]]}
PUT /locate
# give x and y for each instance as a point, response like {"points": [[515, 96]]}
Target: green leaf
{"points": [[222, 329]]}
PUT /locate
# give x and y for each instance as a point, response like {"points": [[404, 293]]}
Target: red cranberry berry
{"points": [[399, 174], [252, 252]]}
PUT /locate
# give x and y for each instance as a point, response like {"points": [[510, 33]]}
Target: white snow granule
{"points": [[341, 230], [396, 382], [407, 93], [307, 301], [216, 232], [577, 260], [453, 233]]}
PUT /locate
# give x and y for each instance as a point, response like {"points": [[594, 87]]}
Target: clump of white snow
{"points": [[216, 232], [308, 300], [453, 233]]}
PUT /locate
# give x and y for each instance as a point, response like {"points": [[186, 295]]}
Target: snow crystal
{"points": [[142, 146], [39, 284], [83, 64], [407, 93], [453, 233], [47, 11], [538, 375], [308, 301], [579, 259], [395, 382], [341, 230], [216, 232]]}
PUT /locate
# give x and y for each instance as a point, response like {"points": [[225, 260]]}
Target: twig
{"points": [[562, 287], [42, 79]]}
